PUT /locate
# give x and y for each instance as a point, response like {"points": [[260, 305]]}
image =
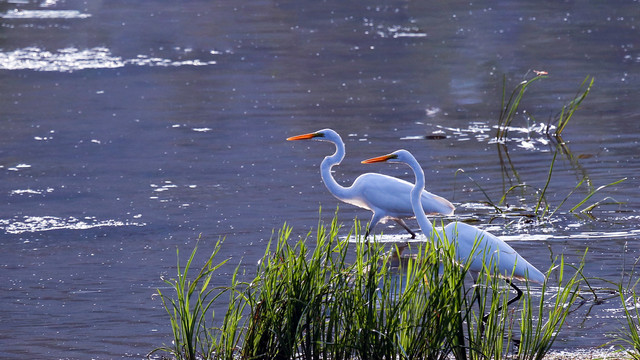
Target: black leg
{"points": [[516, 298], [518, 292], [402, 223]]}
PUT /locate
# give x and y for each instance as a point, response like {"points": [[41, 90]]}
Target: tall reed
{"points": [[332, 298], [540, 327], [188, 310]]}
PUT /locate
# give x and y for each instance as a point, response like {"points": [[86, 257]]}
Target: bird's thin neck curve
{"points": [[336, 189], [416, 202]]}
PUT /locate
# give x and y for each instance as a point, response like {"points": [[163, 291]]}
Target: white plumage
{"points": [[386, 196], [489, 250]]}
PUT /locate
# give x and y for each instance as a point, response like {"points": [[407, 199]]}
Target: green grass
{"points": [[533, 200], [628, 339], [509, 106], [322, 297], [567, 110], [538, 205], [188, 309], [537, 336], [544, 209]]}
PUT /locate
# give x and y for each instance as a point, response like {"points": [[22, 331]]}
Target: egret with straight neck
{"points": [[387, 197]]}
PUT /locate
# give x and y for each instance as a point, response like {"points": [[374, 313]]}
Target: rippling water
{"points": [[72, 59], [131, 129]]}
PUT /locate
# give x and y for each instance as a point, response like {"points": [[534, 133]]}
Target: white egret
{"points": [[489, 252], [386, 196]]}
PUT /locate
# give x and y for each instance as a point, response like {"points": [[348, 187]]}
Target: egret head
{"points": [[398, 156], [320, 135]]}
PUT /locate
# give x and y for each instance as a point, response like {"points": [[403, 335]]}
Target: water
{"points": [[131, 129]]}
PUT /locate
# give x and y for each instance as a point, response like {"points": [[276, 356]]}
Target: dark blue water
{"points": [[130, 129]]}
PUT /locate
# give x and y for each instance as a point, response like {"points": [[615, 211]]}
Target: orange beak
{"points": [[379, 159], [303, 136]]}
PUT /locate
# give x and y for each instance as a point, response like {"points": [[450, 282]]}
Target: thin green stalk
{"points": [[628, 339], [509, 108], [546, 184], [481, 189], [569, 109], [187, 313], [566, 197], [594, 192], [540, 328]]}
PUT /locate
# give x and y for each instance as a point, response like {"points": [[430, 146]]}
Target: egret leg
{"points": [[404, 225], [375, 219], [518, 292], [516, 298]]}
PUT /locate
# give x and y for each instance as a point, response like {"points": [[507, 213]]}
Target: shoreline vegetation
{"points": [[312, 299], [325, 297], [336, 298]]}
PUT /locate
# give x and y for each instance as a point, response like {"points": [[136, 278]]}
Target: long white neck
{"points": [[416, 202], [336, 189]]}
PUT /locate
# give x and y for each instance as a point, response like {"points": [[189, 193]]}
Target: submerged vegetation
{"points": [[339, 299], [510, 107], [532, 200]]}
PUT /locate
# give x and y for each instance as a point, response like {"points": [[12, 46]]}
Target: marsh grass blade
{"points": [[628, 338], [546, 185], [593, 193], [509, 107], [187, 312], [568, 110], [489, 201], [540, 327]]}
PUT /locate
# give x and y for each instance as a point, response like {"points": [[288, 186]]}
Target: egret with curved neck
{"points": [[490, 252], [387, 197]]}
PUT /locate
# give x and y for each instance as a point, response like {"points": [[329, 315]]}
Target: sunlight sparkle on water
{"points": [[73, 59], [44, 14], [18, 167], [30, 191], [28, 224]]}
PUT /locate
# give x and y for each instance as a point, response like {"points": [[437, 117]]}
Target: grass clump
{"points": [[188, 309], [313, 304], [509, 107], [532, 198], [330, 298], [541, 209], [628, 339]]}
